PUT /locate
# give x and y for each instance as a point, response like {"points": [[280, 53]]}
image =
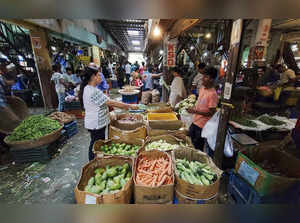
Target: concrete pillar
{"points": [[39, 40], [273, 46]]}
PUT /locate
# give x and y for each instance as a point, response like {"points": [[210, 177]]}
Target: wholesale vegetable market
{"points": [[157, 112]]}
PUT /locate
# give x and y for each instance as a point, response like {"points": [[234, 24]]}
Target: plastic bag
{"points": [[187, 118], [210, 131], [277, 93]]}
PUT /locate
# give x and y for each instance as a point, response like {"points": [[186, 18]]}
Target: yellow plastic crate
{"points": [[162, 117]]}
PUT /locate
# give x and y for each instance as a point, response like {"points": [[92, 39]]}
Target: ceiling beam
{"points": [[182, 25]]}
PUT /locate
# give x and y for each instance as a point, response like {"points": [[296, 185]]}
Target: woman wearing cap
{"points": [[96, 103], [177, 89]]}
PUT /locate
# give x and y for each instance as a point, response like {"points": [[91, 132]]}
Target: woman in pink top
{"points": [[205, 107]]}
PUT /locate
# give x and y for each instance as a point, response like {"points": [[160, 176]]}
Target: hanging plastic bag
{"points": [[277, 93], [210, 131]]}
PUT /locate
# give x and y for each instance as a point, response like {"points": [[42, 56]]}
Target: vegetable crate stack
{"points": [[197, 177], [106, 180]]}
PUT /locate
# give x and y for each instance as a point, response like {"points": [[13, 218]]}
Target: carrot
{"points": [[153, 165], [162, 180]]}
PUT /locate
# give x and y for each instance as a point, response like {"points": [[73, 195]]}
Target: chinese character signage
{"points": [[169, 55], [263, 30], [171, 50]]}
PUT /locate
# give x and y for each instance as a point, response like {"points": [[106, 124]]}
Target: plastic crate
{"points": [[70, 125], [130, 99], [114, 84], [31, 155], [243, 193], [71, 129], [240, 191], [74, 105]]}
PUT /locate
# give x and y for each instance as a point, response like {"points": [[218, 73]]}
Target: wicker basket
{"points": [[30, 144]]}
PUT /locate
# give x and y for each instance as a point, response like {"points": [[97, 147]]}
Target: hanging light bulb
{"points": [[161, 52], [156, 31], [208, 35], [192, 47]]}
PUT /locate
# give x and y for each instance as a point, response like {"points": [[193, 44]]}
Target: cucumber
{"points": [[204, 180], [209, 176]]}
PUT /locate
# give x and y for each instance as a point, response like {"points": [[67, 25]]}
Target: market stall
{"points": [[160, 163]]}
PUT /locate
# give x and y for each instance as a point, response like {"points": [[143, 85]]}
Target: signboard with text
{"points": [[36, 42], [263, 30], [85, 60], [171, 54]]}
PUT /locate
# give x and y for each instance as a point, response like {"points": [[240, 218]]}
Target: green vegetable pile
{"points": [[186, 104], [34, 127], [244, 121], [120, 149], [109, 180], [270, 121], [195, 172], [161, 145]]}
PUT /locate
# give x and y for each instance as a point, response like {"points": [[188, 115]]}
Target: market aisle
{"points": [[30, 184]]}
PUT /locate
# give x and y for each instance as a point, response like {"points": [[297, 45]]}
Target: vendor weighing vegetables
{"points": [[205, 107], [96, 103]]}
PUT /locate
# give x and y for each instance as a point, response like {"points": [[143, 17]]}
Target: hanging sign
{"points": [[236, 32], [85, 60], [259, 52], [263, 30], [171, 54], [96, 55], [36, 42]]}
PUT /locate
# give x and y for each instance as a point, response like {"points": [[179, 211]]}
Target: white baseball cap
{"points": [[93, 65]]}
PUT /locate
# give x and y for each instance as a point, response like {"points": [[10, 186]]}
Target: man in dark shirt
{"points": [[120, 75], [8, 76]]}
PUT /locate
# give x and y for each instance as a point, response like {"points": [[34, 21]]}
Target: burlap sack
{"points": [[146, 97]]}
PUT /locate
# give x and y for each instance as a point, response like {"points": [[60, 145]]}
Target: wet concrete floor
{"points": [[46, 182]]}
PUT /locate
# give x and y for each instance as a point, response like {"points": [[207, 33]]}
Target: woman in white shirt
{"points": [[177, 89], [96, 103]]}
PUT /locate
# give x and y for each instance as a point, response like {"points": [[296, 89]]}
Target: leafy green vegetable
{"points": [[244, 121], [34, 127], [270, 121]]}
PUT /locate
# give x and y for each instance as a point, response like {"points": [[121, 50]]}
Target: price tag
{"points": [[248, 173], [227, 91], [90, 199]]}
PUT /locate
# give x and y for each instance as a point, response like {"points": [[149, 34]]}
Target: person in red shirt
{"points": [[142, 68], [137, 80], [205, 107]]}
